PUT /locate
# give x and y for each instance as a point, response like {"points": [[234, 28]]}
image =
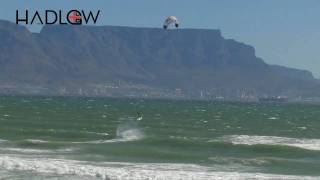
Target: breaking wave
{"points": [[309, 144], [132, 171], [37, 141], [35, 151]]}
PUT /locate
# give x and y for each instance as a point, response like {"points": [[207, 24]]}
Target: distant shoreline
{"points": [[290, 102]]}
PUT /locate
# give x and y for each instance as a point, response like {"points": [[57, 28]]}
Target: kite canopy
{"points": [[170, 21]]}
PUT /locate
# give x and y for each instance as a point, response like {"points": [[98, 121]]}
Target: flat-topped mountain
{"points": [[107, 60]]}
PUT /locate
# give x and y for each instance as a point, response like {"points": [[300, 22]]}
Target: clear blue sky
{"points": [[284, 32]]}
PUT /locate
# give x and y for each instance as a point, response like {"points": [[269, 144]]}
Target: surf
{"points": [[132, 171], [308, 144]]}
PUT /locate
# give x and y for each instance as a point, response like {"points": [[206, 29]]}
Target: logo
{"points": [[73, 17]]}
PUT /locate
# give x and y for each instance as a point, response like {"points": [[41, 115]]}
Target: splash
{"points": [[128, 132]]}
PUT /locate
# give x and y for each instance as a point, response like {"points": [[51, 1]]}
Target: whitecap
{"points": [[37, 141], [273, 118], [3, 140], [98, 133], [303, 128], [35, 151], [123, 136], [310, 144], [132, 171]]}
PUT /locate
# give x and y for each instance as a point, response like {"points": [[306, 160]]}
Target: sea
{"points": [[136, 139]]}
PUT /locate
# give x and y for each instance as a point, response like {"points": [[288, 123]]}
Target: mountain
{"points": [[150, 62]]}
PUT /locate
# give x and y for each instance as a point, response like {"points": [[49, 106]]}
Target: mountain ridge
{"points": [[141, 62]]}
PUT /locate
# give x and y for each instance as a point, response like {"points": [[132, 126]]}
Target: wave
{"points": [[35, 151], [37, 141], [3, 140], [241, 161], [123, 136], [23, 150], [125, 133], [309, 144], [132, 171], [98, 133]]}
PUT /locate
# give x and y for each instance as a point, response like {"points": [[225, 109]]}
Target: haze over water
{"points": [[89, 138]]}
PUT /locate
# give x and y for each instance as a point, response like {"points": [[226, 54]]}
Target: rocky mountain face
{"points": [[106, 60]]}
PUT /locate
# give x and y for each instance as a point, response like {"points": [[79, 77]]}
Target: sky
{"points": [[283, 32]]}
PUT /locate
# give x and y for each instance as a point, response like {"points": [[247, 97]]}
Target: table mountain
{"points": [[107, 60]]}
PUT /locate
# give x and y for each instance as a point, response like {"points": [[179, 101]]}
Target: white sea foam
{"points": [[98, 133], [37, 141], [3, 140], [124, 134], [23, 150], [273, 118], [126, 171], [240, 161], [129, 134], [35, 151], [310, 144]]}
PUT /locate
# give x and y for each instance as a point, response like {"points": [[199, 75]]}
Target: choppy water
{"points": [[88, 138]]}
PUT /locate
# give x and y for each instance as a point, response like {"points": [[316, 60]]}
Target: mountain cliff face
{"points": [[150, 60]]}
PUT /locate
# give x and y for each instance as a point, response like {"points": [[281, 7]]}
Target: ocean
{"points": [[102, 138]]}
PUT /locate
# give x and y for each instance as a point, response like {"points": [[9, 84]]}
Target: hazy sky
{"points": [[284, 32]]}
